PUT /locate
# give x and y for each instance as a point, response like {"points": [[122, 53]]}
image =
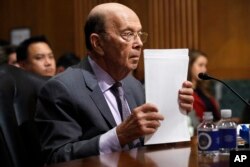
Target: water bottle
{"points": [[227, 131], [208, 136]]}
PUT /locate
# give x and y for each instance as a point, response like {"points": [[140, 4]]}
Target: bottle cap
{"points": [[208, 115], [226, 113]]}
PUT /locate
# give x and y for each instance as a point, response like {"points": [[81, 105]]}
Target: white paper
{"points": [[165, 72]]}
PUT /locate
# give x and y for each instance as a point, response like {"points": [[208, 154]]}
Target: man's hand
{"points": [[143, 120], [186, 98]]}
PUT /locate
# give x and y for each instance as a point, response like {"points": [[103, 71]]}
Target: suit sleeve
{"points": [[58, 124]]}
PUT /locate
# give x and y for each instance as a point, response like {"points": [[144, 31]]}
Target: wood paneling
{"points": [[218, 27], [55, 19], [224, 34], [173, 24]]}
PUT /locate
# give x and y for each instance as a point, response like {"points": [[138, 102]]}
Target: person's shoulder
{"points": [[73, 76], [62, 83], [67, 77]]}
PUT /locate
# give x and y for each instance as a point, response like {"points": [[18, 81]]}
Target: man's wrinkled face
{"points": [[122, 55]]}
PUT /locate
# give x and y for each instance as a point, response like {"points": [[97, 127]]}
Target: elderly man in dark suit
{"points": [[79, 113]]}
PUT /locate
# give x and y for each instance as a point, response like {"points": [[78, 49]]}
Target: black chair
{"points": [[245, 116], [19, 142]]}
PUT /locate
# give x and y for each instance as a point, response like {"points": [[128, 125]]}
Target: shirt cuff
{"points": [[109, 142]]}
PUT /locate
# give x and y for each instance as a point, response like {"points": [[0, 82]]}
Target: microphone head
{"points": [[204, 76]]}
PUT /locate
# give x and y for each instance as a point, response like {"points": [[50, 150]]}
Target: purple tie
{"points": [[118, 92]]}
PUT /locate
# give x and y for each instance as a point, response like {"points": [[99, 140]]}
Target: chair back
{"points": [[19, 141]]}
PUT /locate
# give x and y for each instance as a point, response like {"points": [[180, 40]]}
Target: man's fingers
{"points": [[186, 106], [187, 84], [186, 98], [150, 127]]}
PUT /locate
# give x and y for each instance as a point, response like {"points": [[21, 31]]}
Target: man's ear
{"points": [[22, 64], [60, 69], [96, 43]]}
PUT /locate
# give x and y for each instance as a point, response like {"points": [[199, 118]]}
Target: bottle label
{"points": [[228, 138], [208, 140]]}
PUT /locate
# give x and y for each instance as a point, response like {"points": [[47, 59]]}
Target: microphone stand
{"points": [[204, 76]]}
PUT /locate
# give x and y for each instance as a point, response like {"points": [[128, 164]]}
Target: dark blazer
{"points": [[72, 113]]}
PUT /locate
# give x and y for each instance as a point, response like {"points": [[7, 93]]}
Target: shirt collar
{"points": [[105, 81]]}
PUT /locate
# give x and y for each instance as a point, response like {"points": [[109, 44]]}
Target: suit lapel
{"points": [[129, 97], [96, 93], [102, 105], [132, 104]]}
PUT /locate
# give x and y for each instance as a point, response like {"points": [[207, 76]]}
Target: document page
{"points": [[165, 72]]}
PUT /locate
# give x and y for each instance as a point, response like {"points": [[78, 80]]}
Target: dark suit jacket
{"points": [[72, 113]]}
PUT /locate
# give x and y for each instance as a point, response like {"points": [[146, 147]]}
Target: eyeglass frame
{"points": [[129, 35], [133, 35]]}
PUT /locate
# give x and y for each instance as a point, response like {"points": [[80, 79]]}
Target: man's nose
{"points": [[48, 61], [138, 42]]}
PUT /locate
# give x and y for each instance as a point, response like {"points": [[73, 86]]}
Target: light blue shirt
{"points": [[108, 141]]}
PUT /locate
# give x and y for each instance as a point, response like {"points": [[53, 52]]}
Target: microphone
{"points": [[205, 76]]}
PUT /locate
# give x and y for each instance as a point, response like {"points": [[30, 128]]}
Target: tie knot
{"points": [[117, 85], [117, 88]]}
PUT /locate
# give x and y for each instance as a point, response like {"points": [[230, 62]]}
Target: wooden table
{"points": [[165, 155]]}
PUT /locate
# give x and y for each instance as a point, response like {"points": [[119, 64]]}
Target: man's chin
{"points": [[133, 66], [48, 74]]}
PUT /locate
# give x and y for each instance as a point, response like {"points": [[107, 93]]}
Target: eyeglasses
{"points": [[129, 35]]}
